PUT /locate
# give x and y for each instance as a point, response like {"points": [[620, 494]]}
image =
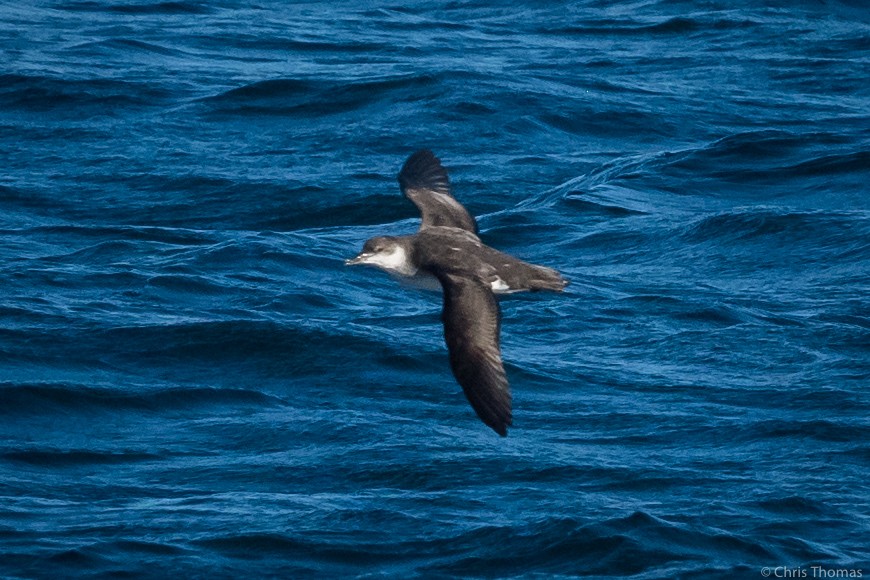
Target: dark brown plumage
{"points": [[424, 181], [469, 272], [472, 323]]}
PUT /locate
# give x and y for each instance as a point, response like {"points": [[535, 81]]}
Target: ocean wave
{"points": [[560, 545], [305, 43], [618, 546], [129, 47], [243, 545], [310, 97], [289, 351], [74, 457], [770, 159], [846, 163], [817, 429], [94, 96], [65, 398], [617, 123], [595, 204], [156, 8], [677, 25], [165, 235], [822, 231]]}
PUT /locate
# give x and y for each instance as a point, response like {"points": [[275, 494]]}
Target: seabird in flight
{"points": [[447, 250]]}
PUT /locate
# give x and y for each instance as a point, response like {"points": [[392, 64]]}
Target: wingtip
{"points": [[421, 167], [500, 424], [421, 154]]}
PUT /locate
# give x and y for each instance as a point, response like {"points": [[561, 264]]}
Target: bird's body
{"points": [[415, 257], [447, 253]]}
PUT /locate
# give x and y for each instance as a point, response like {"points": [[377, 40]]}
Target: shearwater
{"points": [[447, 249]]}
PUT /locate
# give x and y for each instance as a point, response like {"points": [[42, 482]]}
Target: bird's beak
{"points": [[361, 259]]}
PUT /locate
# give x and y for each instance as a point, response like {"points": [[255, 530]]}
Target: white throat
{"points": [[395, 260]]}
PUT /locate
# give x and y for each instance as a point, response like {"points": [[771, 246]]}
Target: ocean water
{"points": [[193, 384]]}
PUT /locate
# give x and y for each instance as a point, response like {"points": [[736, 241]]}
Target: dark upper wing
{"points": [[424, 181], [471, 328]]}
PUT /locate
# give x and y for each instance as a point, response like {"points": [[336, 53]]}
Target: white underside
{"points": [[425, 281], [420, 280], [396, 263]]}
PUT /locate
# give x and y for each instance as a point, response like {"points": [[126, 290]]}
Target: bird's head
{"points": [[385, 252]]}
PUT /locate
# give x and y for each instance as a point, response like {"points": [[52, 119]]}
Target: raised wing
{"points": [[424, 181], [471, 330]]}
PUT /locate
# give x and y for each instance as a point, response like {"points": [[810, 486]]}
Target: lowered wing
{"points": [[471, 330]]}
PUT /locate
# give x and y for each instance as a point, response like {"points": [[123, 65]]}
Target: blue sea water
{"points": [[192, 383]]}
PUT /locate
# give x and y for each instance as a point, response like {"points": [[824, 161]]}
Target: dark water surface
{"points": [[192, 383]]}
